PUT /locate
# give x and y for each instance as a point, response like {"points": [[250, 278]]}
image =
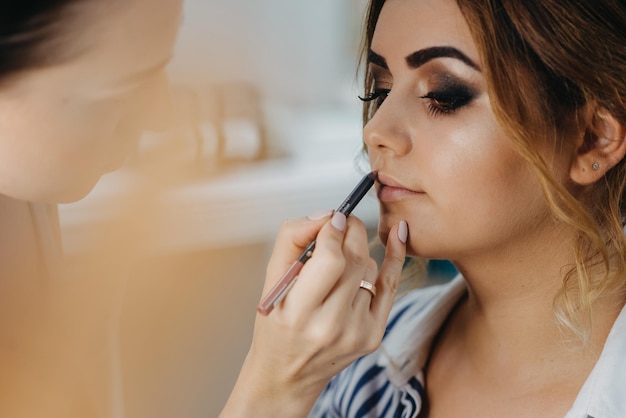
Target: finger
{"points": [[390, 272], [321, 273], [293, 237], [357, 258]]}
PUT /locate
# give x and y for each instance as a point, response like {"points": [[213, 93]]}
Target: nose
{"points": [[387, 131]]}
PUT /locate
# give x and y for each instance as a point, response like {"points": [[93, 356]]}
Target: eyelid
{"points": [[442, 102], [381, 84], [379, 74]]}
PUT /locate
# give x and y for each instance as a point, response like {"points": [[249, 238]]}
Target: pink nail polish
{"points": [[403, 231], [338, 221], [320, 215]]}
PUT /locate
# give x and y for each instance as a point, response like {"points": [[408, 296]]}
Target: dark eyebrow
{"points": [[421, 57], [374, 58]]}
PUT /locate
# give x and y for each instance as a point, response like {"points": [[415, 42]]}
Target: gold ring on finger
{"points": [[368, 286]]}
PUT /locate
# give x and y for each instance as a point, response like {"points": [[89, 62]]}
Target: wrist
{"points": [[258, 393]]}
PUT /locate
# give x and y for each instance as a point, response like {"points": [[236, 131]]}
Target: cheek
{"points": [[59, 160], [473, 159], [82, 141], [475, 182], [479, 172], [103, 136], [47, 171], [55, 147]]}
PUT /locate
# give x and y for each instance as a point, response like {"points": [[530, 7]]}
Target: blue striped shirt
{"points": [[389, 383]]}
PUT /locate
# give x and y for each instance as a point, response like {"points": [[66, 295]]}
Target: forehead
{"points": [[113, 40], [130, 35], [405, 26]]}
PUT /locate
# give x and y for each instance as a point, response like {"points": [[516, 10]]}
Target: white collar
{"points": [[405, 350], [604, 393]]}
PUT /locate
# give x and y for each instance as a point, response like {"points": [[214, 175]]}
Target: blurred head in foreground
{"points": [[78, 83]]}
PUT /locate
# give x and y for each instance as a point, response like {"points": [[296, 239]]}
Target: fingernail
{"points": [[403, 231], [320, 215], [338, 221]]}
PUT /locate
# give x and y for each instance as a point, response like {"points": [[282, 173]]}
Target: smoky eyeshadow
{"points": [[449, 85]]}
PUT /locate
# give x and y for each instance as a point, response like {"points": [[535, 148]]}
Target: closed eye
{"points": [[447, 102]]}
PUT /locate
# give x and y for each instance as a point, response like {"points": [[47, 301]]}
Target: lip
{"points": [[391, 190]]}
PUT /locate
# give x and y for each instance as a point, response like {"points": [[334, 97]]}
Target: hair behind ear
{"points": [[33, 33]]}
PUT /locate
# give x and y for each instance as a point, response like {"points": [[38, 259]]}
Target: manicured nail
{"points": [[338, 221], [320, 215], [403, 231]]}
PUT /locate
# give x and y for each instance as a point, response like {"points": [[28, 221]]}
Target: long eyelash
{"points": [[443, 103], [378, 94]]}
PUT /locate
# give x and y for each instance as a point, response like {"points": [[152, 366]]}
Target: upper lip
{"points": [[386, 180]]}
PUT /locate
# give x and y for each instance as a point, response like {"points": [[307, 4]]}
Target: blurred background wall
{"points": [[294, 51], [178, 317]]}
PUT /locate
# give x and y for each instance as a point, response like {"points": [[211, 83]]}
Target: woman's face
{"points": [[63, 126], [444, 163]]}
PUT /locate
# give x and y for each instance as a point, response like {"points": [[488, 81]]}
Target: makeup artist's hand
{"points": [[326, 320]]}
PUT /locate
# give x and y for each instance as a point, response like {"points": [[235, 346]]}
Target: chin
{"points": [[52, 196], [383, 234], [73, 195], [116, 161], [75, 191], [413, 249], [386, 222]]}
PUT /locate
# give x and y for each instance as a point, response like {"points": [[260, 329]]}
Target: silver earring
{"points": [[595, 166]]}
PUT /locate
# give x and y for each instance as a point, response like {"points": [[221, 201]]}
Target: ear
{"points": [[601, 148]]}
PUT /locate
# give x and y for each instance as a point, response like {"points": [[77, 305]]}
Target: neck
{"points": [[508, 320], [30, 243]]}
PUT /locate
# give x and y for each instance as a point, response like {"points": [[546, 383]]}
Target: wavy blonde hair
{"points": [[550, 67]]}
